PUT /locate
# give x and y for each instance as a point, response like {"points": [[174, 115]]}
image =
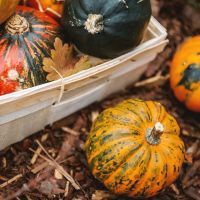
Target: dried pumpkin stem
{"points": [[17, 25], [94, 23], [153, 134]]}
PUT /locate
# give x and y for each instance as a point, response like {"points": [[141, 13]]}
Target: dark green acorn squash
{"points": [[106, 28]]}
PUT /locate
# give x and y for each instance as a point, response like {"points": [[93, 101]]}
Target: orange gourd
{"points": [[53, 8], [7, 8], [185, 73], [135, 148]]}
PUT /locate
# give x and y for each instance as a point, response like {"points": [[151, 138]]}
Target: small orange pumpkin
{"points": [[135, 148], [53, 8], [7, 8], [185, 73]]}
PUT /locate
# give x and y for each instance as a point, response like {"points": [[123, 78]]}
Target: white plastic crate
{"points": [[28, 111]]}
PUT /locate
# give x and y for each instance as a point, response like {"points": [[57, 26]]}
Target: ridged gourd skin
{"points": [[7, 8], [121, 155], [185, 73], [25, 39], [103, 28]]}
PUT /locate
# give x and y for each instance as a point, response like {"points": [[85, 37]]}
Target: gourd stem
{"points": [[153, 134], [94, 23], [17, 25]]}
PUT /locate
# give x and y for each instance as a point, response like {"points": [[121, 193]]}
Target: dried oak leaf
{"points": [[63, 61]]}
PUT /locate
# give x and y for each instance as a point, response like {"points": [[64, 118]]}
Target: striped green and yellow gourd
{"points": [[135, 148]]}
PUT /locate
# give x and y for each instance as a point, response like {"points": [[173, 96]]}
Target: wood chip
{"points": [[28, 197], [44, 137], [175, 189], [35, 156], [4, 161], [39, 167], [58, 175], [191, 151], [13, 150], [193, 148], [102, 195], [94, 115], [70, 131], [52, 152], [185, 132]]}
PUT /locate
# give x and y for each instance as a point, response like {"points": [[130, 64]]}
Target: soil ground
{"points": [[31, 177]]}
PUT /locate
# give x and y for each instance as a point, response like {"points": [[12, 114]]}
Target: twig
{"points": [[39, 150], [59, 167], [153, 80], [70, 131], [39, 167], [175, 189], [43, 157], [42, 166], [27, 187], [15, 178], [46, 173], [66, 189]]}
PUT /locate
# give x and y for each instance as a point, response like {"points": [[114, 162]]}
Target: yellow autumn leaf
{"points": [[64, 61]]}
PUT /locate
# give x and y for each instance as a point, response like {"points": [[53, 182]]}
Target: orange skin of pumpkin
{"points": [[7, 8], [187, 54], [120, 156], [51, 7]]}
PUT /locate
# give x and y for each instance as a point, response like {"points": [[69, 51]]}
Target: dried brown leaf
{"points": [[63, 61]]}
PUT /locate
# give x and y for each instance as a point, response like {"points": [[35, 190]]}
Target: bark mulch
{"points": [[51, 164]]}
